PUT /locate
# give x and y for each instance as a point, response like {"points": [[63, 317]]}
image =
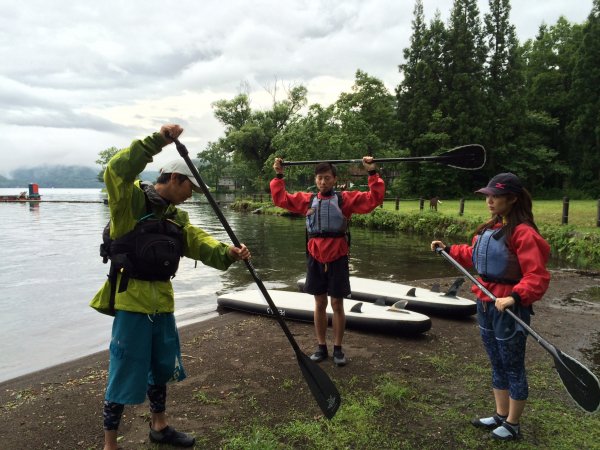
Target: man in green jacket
{"points": [[147, 236]]}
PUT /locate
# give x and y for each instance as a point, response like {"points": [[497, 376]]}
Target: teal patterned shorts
{"points": [[144, 350]]}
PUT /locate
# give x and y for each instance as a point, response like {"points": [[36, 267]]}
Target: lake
{"points": [[51, 268]]}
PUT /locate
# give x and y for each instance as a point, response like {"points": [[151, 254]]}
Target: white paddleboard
{"points": [[359, 315], [420, 300]]}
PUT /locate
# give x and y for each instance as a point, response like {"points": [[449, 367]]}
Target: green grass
{"points": [[582, 213], [431, 412]]}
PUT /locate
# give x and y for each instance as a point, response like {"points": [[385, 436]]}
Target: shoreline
{"points": [[224, 318], [99, 360]]}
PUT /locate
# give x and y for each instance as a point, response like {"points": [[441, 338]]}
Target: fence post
{"points": [[398, 205], [598, 215], [421, 203], [565, 213], [461, 207]]}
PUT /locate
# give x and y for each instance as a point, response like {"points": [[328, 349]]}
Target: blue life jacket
{"points": [[493, 260], [324, 217]]}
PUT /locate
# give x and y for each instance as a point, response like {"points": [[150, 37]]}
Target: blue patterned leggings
{"points": [[508, 363]]}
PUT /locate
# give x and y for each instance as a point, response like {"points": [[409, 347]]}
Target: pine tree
{"points": [[464, 74], [504, 96], [419, 99], [584, 129]]}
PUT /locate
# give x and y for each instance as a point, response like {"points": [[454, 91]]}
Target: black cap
{"points": [[501, 184]]}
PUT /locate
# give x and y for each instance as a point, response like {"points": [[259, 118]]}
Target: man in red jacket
{"points": [[327, 214]]}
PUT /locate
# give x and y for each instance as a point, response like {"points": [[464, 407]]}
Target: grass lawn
{"points": [[582, 213]]}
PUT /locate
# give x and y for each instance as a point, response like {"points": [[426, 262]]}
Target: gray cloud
{"points": [[78, 77]]}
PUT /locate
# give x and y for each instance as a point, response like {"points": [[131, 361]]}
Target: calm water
{"points": [[50, 270]]}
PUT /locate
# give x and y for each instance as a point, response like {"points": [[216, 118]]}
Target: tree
{"points": [[422, 125], [360, 122], [249, 134], [550, 60], [584, 128], [367, 117], [315, 136], [216, 162], [504, 88], [464, 59], [103, 158]]}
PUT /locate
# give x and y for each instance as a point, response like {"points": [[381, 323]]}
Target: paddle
{"points": [[581, 384], [467, 157], [321, 386]]}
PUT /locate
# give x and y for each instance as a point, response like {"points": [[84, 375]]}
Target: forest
{"points": [[533, 105]]}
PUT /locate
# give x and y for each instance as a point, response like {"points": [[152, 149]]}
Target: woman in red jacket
{"points": [[510, 256], [327, 214]]}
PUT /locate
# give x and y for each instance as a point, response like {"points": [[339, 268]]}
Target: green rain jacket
{"points": [[127, 203]]}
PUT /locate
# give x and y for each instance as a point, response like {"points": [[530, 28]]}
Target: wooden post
{"points": [[461, 207], [565, 213], [398, 205], [421, 203], [598, 215]]}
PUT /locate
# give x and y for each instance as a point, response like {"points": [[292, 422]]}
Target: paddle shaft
{"points": [[185, 155], [440, 158], [321, 386], [549, 347], [467, 157]]}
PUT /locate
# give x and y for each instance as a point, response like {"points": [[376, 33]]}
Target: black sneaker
{"points": [[488, 422], [507, 432], [319, 355], [170, 436], [339, 359]]}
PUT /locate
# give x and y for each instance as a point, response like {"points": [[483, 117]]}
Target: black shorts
{"points": [[332, 278]]}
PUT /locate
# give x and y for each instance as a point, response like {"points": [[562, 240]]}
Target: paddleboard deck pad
{"points": [[359, 315], [419, 300]]}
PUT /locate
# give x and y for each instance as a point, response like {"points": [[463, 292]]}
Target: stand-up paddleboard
{"points": [[420, 300], [359, 315]]}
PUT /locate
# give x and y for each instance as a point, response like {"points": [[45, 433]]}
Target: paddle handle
{"points": [[549, 347], [185, 155]]}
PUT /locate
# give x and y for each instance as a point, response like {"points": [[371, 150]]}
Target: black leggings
{"points": [[157, 394]]}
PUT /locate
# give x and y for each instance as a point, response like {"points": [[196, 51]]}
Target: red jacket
{"points": [[532, 252], [329, 249]]}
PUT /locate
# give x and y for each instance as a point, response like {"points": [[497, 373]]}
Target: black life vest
{"points": [[151, 251]]}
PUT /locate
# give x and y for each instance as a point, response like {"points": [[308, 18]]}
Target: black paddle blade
{"points": [[581, 384], [467, 157], [322, 388]]}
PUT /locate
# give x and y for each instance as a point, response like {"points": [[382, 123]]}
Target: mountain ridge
{"points": [[60, 176]]}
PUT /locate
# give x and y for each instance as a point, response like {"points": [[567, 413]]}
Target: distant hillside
{"points": [[60, 177], [54, 176]]}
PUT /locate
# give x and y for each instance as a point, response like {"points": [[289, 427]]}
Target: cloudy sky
{"points": [[80, 76]]}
